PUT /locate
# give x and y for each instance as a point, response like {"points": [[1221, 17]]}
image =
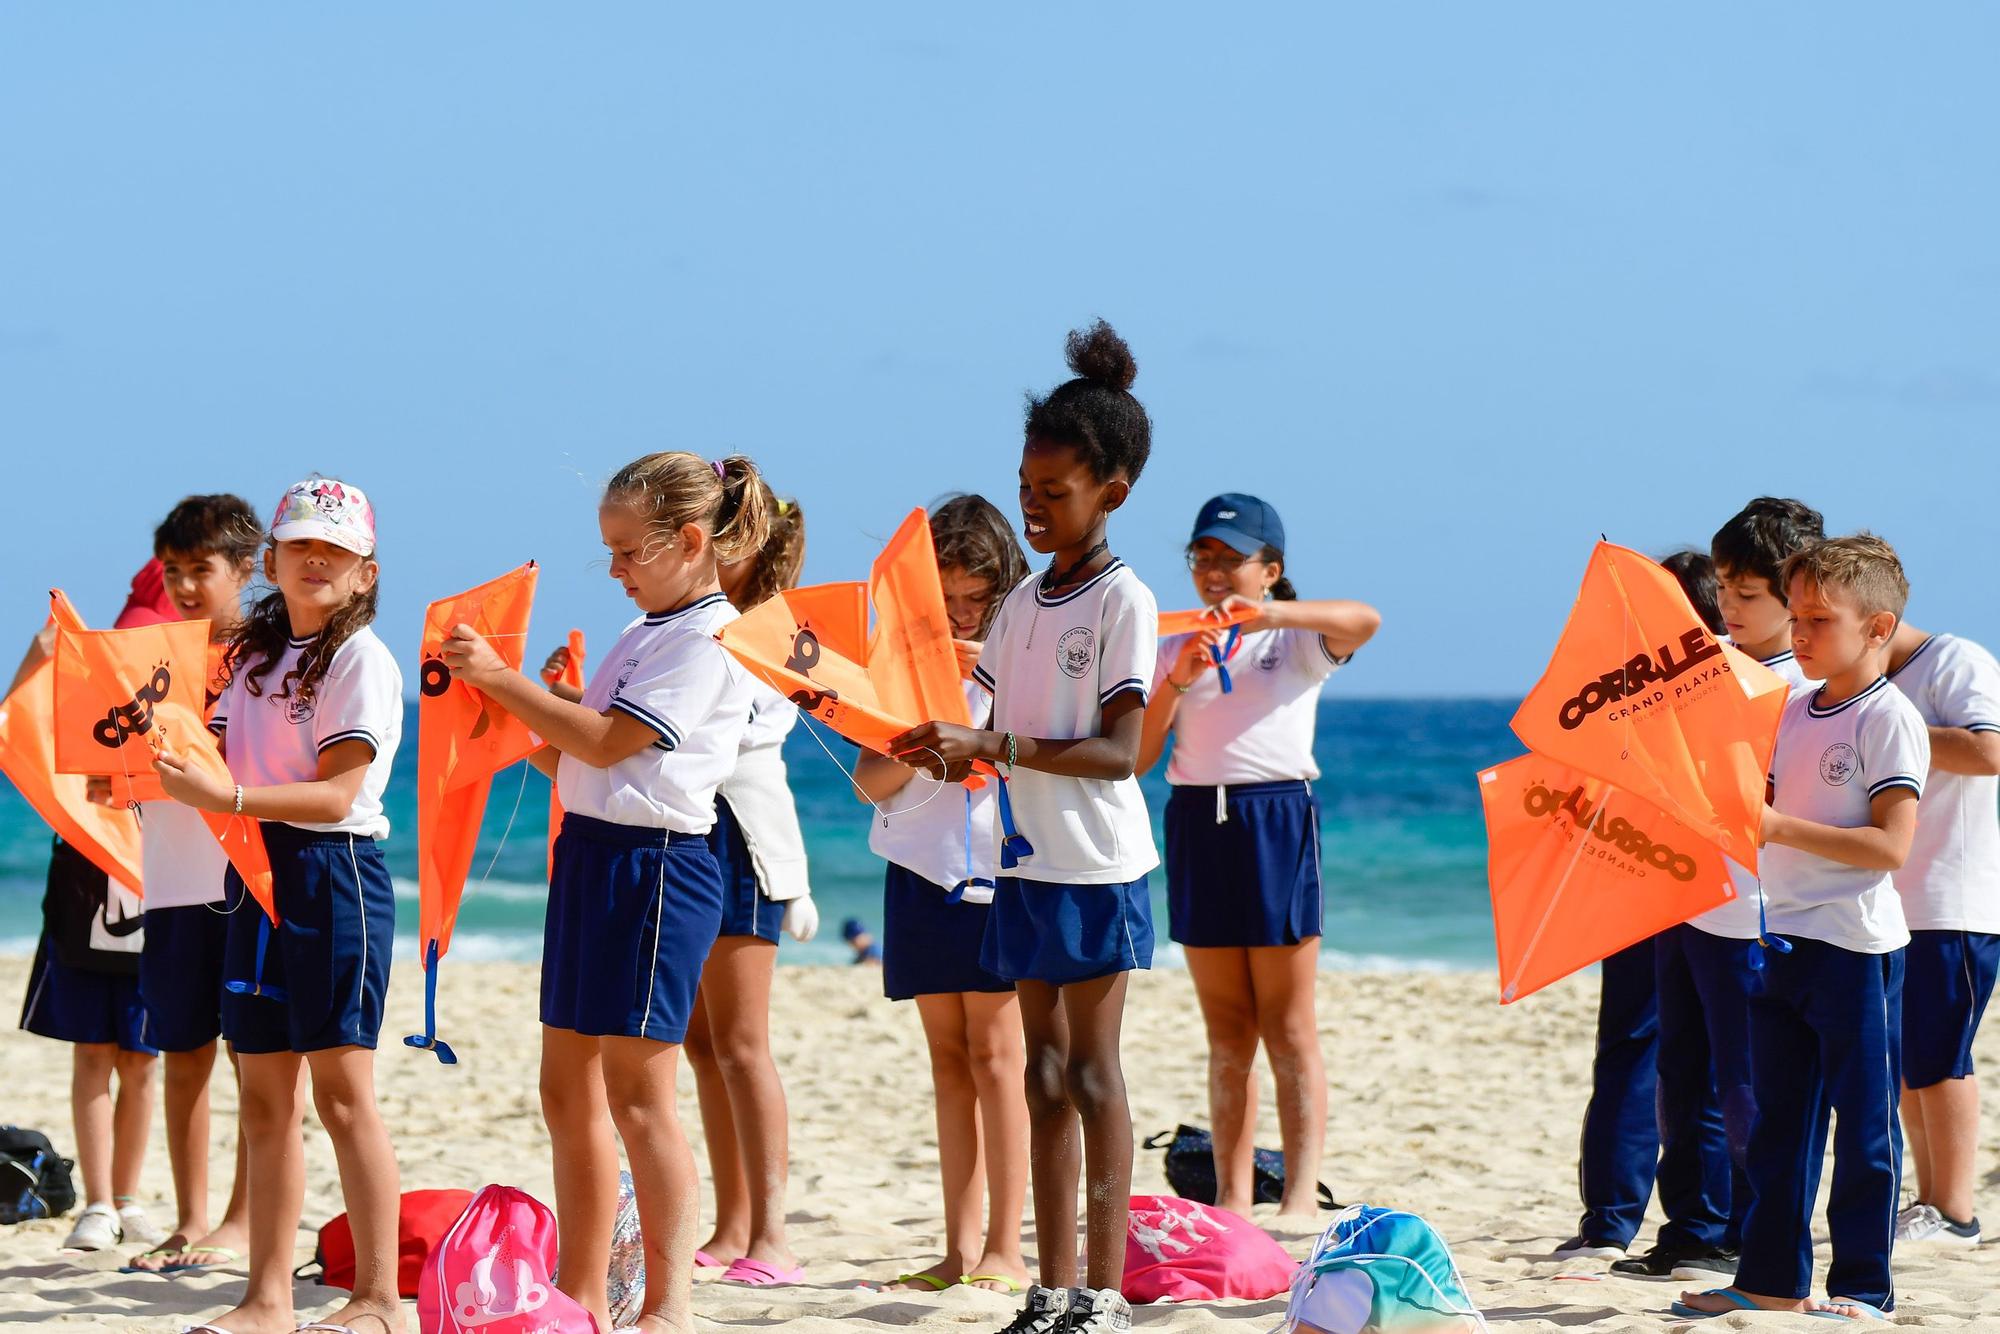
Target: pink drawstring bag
{"points": [[1179, 1251], [494, 1272]]}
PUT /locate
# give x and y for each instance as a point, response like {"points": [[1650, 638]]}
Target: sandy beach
{"points": [[1442, 1102]]}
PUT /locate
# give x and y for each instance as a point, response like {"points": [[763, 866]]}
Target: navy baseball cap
{"points": [[1242, 523], [851, 928]]}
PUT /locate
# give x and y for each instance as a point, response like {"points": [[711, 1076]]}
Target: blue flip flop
{"points": [[1742, 1303]]}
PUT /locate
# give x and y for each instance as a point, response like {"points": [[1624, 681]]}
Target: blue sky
{"points": [[1457, 286]]}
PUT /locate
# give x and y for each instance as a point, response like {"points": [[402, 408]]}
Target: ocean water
{"points": [[1403, 847]]}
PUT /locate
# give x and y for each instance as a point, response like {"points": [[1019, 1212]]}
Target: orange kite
{"points": [[121, 695], [1640, 694], [1650, 744], [462, 741]]}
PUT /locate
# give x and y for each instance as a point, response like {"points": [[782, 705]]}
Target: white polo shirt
{"points": [[667, 671], [1262, 730], [1951, 881], [1051, 665], [942, 831], [1828, 766], [1737, 919], [269, 741], [181, 863]]}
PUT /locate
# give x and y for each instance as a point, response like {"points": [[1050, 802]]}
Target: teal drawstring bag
{"points": [[1380, 1271]]}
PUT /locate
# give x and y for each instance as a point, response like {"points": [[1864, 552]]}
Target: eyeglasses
{"points": [[1201, 562]]}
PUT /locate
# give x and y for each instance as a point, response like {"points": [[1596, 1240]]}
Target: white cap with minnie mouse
{"points": [[325, 509]]}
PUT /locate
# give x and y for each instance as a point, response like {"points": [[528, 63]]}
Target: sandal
{"points": [[224, 1258], [1006, 1284], [163, 1252], [911, 1282]]}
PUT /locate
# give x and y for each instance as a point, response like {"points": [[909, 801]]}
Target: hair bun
{"points": [[1100, 355]]}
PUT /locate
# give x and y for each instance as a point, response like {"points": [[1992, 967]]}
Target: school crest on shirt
{"points": [[1075, 651], [1269, 656], [298, 707], [1837, 764], [625, 673]]}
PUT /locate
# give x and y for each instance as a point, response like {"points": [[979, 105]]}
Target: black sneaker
{"points": [[1660, 1262], [1581, 1247], [1706, 1267], [1046, 1312], [1104, 1311]]}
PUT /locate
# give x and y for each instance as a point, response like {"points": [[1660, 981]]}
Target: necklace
{"points": [[1055, 578]]}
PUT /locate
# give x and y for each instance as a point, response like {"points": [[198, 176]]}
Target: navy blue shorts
{"points": [[1947, 980], [632, 914], [317, 979], [72, 1005], [930, 945], [180, 970], [1039, 932], [1250, 880], [745, 910]]}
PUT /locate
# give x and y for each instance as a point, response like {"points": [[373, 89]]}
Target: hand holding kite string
{"points": [[949, 746], [471, 658], [191, 784], [1196, 656]]}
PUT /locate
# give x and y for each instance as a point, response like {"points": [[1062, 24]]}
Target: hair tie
{"points": [[717, 465]]}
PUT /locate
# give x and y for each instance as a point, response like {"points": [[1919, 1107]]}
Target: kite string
{"points": [[494, 860], [806, 718]]}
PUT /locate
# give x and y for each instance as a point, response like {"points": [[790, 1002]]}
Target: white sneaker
{"points": [[1580, 1248], [96, 1229], [1045, 1312], [136, 1227], [1104, 1311], [1923, 1224]]}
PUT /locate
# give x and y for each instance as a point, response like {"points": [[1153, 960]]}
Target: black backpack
{"points": [[1191, 1168], [34, 1179]]}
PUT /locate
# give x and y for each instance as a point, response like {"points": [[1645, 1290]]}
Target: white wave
{"points": [[502, 891]]}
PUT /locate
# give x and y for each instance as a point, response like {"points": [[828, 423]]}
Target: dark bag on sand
{"points": [[34, 1178], [1191, 1168]]}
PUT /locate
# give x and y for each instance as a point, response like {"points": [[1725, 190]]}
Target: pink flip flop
{"points": [[703, 1260], [757, 1274]]}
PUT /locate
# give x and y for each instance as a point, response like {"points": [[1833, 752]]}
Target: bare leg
{"points": [[91, 1064], [273, 1108], [994, 1047], [186, 1077], [370, 1184], [730, 1237], [1917, 1162], [1289, 1021], [1055, 1146], [586, 1166], [233, 1232], [1096, 1082], [1223, 985], [639, 1086], [957, 1136], [736, 988], [1951, 1136], [131, 1119]]}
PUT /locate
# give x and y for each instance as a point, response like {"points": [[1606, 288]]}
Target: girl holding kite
{"points": [[635, 896], [761, 852], [1242, 826], [939, 843], [1068, 661], [310, 722]]}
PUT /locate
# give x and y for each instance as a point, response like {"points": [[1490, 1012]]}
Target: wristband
{"points": [[1178, 687], [1010, 751], [239, 800]]}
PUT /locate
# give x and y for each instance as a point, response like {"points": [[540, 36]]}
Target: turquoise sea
{"points": [[1403, 845]]}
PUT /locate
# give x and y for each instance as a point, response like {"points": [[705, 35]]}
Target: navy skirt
{"points": [[317, 979], [181, 967], [632, 914], [1250, 880], [745, 910], [1041, 932], [930, 945]]}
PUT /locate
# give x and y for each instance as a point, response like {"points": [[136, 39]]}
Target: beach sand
{"points": [[1442, 1102]]}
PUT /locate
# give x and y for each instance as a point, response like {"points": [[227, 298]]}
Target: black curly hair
{"points": [[1095, 413]]}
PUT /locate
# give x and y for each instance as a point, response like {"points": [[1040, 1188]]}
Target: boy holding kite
{"points": [[1825, 1028]]}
